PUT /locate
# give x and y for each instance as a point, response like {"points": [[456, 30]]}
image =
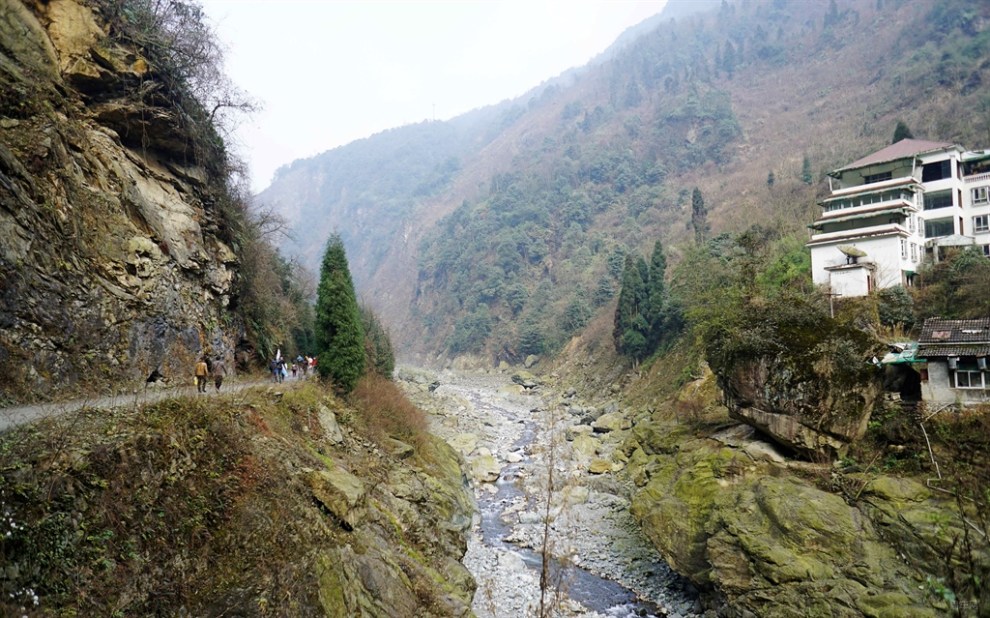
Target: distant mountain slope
{"points": [[500, 232]]}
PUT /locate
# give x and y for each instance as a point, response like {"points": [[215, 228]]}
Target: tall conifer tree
{"points": [[339, 334], [699, 216], [657, 299], [630, 327]]}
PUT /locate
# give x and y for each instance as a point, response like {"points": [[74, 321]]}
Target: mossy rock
{"points": [[675, 505], [810, 547]]}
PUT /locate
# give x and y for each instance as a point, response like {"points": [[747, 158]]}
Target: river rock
{"points": [[485, 468], [463, 443], [600, 466], [585, 447], [734, 527], [573, 431], [513, 457], [610, 422]]}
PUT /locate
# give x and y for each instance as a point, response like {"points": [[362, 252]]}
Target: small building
{"points": [[891, 210], [952, 356]]}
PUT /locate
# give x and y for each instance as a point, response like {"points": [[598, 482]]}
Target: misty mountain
{"points": [[503, 231]]}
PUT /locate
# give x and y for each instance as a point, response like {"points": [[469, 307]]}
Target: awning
{"points": [[901, 354]]}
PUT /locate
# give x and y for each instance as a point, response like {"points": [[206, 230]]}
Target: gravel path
{"points": [[503, 435]]}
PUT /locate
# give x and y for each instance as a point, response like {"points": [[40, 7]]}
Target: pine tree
{"points": [[699, 216], [339, 334], [901, 131], [657, 294], [806, 176], [378, 354], [631, 327]]}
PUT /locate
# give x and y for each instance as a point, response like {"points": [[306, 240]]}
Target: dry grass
{"points": [[387, 412]]}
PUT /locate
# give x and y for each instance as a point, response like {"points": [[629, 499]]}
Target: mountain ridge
{"points": [[715, 102]]}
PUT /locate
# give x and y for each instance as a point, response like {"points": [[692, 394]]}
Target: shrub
{"points": [[386, 410]]}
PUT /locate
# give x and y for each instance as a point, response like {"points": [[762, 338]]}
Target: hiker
{"points": [[202, 372], [219, 371], [276, 370], [295, 368]]}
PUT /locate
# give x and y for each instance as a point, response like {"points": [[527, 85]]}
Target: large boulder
{"points": [[771, 544], [807, 381]]}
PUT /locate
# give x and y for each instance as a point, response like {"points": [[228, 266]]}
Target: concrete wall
{"points": [[939, 389]]}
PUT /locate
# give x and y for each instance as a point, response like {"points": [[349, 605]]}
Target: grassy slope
{"points": [[211, 505]]}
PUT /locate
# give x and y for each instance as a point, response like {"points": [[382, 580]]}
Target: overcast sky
{"points": [[330, 72]]}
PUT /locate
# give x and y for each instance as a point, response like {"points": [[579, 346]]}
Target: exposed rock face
{"points": [[811, 392], [808, 414], [114, 258], [772, 543]]}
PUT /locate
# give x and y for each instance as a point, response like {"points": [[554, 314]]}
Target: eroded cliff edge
{"points": [[116, 255]]}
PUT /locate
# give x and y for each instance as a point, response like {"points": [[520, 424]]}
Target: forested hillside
{"points": [[503, 232]]}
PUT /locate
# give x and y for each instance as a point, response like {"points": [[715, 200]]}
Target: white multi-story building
{"points": [[891, 210]]}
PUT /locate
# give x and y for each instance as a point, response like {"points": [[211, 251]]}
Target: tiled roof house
{"points": [[957, 353]]}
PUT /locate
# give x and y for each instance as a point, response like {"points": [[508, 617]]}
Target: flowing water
{"points": [[504, 556]]}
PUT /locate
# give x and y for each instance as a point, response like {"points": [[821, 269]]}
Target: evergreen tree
{"points": [[901, 131], [806, 175], [657, 294], [378, 354], [729, 59], [631, 327], [699, 216], [339, 334]]}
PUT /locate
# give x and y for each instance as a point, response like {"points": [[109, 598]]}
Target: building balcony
{"points": [[872, 231], [875, 187], [974, 178]]}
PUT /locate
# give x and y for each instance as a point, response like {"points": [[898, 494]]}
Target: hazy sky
{"points": [[330, 72]]}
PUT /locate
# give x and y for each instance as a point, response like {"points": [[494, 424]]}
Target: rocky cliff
{"points": [[115, 254]]}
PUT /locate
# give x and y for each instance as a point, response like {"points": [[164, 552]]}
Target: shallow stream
{"points": [[607, 569]]}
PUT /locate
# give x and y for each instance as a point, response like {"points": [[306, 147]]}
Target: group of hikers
{"points": [[217, 369], [280, 370]]}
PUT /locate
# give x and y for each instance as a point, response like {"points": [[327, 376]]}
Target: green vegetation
{"points": [[206, 504], [340, 342], [378, 354], [643, 319]]}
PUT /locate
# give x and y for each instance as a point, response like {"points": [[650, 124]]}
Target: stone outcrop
{"points": [[804, 411], [765, 540], [115, 259]]}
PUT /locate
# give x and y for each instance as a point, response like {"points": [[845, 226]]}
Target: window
{"points": [[872, 178], [939, 199], [939, 227], [969, 379], [981, 195], [914, 252], [986, 250], [981, 224], [903, 249], [936, 171]]}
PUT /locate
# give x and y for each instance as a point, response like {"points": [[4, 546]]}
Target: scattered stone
{"points": [[328, 421], [600, 466]]}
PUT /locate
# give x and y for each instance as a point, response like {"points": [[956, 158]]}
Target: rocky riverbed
{"points": [[522, 446]]}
